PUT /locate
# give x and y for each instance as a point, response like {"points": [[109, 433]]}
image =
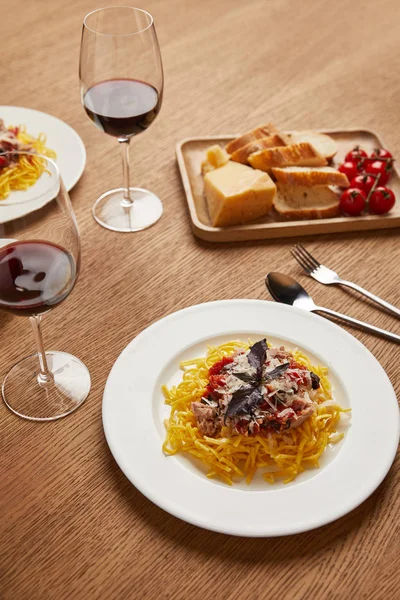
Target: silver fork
{"points": [[328, 277]]}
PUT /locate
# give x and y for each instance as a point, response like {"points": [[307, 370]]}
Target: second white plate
{"points": [[60, 137]]}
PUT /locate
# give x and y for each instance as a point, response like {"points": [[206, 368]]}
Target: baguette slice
{"points": [[323, 144], [302, 155], [250, 136], [242, 154], [310, 176], [298, 202]]}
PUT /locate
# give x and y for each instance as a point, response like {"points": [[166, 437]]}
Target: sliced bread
{"points": [[250, 136], [323, 143], [310, 176], [303, 154], [299, 202], [242, 154]]}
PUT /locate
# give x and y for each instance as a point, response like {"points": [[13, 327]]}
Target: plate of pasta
{"points": [[28, 130], [250, 418]]}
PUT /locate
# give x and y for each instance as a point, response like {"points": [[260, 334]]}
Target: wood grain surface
{"points": [[72, 526]]}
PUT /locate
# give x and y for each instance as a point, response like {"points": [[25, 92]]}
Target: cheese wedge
{"points": [[237, 194], [216, 156]]}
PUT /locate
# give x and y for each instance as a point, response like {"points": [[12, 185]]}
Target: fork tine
{"points": [[305, 260], [314, 260], [301, 261]]}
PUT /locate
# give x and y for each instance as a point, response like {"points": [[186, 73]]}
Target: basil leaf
{"points": [[257, 355], [248, 397], [243, 401], [246, 378], [277, 371]]}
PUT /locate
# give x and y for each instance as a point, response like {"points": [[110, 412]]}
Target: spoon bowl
{"points": [[287, 290]]}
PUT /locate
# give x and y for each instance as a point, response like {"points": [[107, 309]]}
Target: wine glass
{"points": [[39, 266], [121, 80]]}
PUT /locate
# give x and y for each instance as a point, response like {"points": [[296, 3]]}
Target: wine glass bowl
{"points": [[121, 80], [39, 267]]}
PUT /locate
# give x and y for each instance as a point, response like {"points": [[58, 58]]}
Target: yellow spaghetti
{"points": [[230, 456], [27, 170]]}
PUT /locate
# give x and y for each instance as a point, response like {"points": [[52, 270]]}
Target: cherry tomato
{"points": [[363, 182], [3, 162], [383, 168], [382, 200], [352, 202], [355, 155], [381, 153], [350, 169]]}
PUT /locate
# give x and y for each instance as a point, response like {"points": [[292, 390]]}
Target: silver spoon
{"points": [[285, 289]]}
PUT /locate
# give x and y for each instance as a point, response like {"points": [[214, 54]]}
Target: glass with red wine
{"points": [[39, 266], [121, 79]]}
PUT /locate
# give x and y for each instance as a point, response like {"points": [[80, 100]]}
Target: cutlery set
{"points": [[285, 289]]}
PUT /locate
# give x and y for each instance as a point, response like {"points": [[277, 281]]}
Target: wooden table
{"points": [[72, 526]]}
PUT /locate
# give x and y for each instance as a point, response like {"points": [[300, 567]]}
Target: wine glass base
{"points": [[113, 212], [27, 398]]}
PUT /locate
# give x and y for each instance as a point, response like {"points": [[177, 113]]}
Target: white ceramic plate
{"points": [[70, 150], [133, 413]]}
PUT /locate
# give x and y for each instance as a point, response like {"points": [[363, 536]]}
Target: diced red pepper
{"points": [[296, 365], [242, 426], [218, 366], [216, 381], [299, 378], [210, 391]]}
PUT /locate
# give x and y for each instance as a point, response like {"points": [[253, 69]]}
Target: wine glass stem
{"points": [[127, 201], [45, 376]]}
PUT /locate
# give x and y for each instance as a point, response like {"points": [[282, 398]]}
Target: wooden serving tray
{"points": [[191, 152]]}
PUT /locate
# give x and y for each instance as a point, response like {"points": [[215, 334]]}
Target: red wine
{"points": [[34, 277], [122, 107]]}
